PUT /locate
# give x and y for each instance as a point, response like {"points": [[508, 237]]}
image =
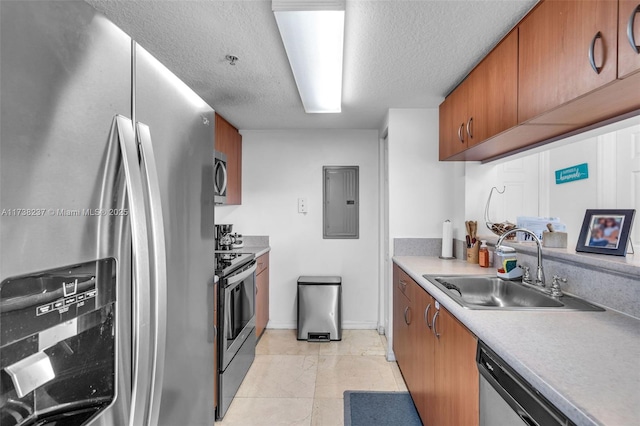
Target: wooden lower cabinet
{"points": [[424, 357], [456, 378], [402, 318], [262, 294], [436, 355]]}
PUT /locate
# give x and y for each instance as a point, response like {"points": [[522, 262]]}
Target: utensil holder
{"points": [[472, 253], [554, 239]]}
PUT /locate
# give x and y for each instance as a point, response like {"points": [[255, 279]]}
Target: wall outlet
{"points": [[302, 205]]}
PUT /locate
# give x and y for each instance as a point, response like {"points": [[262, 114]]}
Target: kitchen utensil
{"points": [[224, 238], [238, 241], [473, 225]]}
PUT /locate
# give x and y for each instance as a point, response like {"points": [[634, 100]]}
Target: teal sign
{"points": [[579, 172]]}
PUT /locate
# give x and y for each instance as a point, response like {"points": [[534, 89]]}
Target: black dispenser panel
{"points": [[57, 345]]}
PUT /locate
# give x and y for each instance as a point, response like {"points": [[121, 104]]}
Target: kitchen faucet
{"points": [[539, 280]]}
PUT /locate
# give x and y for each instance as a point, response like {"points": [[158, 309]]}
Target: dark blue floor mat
{"points": [[365, 408]]}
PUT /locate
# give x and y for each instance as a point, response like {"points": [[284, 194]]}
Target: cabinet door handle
{"points": [[592, 47], [426, 316], [403, 284], [460, 133], [630, 36], [433, 323], [469, 129], [407, 311]]}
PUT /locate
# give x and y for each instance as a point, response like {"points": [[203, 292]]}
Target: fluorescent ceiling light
{"points": [[313, 36]]}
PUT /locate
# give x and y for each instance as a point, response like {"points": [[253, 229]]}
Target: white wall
{"points": [[421, 194], [583, 194], [613, 157], [518, 178], [278, 167]]}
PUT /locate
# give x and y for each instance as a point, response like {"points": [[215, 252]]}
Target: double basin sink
{"points": [[493, 293]]}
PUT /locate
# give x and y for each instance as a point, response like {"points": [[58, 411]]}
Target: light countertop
{"points": [[257, 250], [586, 363]]}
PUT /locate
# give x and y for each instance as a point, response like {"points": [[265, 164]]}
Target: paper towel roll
{"points": [[447, 239]]}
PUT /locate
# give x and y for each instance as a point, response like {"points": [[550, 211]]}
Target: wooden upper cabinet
{"points": [[484, 104], [460, 116], [453, 116], [628, 37], [556, 41], [445, 123], [229, 141], [493, 92], [574, 69]]}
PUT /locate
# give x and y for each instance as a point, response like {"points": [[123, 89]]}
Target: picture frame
{"points": [[605, 231]]}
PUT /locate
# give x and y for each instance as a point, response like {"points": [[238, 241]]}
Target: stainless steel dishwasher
{"points": [[506, 399]]}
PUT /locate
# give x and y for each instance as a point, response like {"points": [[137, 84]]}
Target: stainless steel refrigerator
{"points": [[106, 227]]}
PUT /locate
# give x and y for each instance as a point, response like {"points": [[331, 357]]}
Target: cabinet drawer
{"points": [[263, 263], [405, 284]]}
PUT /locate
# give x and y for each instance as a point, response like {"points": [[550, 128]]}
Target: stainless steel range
{"points": [[237, 319]]}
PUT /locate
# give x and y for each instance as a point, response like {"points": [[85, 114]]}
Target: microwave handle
{"points": [[223, 185]]}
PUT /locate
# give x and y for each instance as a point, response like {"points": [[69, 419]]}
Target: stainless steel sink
{"points": [[491, 292]]}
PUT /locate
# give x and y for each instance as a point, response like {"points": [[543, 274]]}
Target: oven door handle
{"points": [[234, 280]]}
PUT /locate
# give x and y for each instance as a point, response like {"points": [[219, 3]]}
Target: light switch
{"points": [[302, 205]]}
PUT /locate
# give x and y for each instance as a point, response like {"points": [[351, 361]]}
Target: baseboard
{"points": [[390, 355], [281, 325], [346, 325]]}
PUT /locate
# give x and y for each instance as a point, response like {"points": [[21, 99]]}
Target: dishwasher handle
{"points": [[533, 408]]}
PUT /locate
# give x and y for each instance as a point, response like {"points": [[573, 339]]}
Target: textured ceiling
{"points": [[398, 54]]}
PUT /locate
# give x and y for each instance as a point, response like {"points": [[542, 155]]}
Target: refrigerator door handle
{"points": [[122, 128], [158, 269]]}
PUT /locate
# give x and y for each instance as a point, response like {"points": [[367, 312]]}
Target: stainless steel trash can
{"points": [[319, 308]]}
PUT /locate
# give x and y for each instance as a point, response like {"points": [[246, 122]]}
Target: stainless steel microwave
{"points": [[220, 177]]}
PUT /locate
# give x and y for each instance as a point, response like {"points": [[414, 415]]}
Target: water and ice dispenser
{"points": [[57, 345]]}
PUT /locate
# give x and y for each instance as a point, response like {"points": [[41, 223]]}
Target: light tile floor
{"points": [[294, 382]]}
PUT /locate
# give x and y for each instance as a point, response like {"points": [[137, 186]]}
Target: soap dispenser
{"points": [[483, 254]]}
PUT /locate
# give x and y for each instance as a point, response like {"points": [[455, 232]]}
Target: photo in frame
{"points": [[605, 232]]}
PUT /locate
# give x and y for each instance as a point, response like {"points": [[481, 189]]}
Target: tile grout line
{"points": [[358, 348], [315, 387]]}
